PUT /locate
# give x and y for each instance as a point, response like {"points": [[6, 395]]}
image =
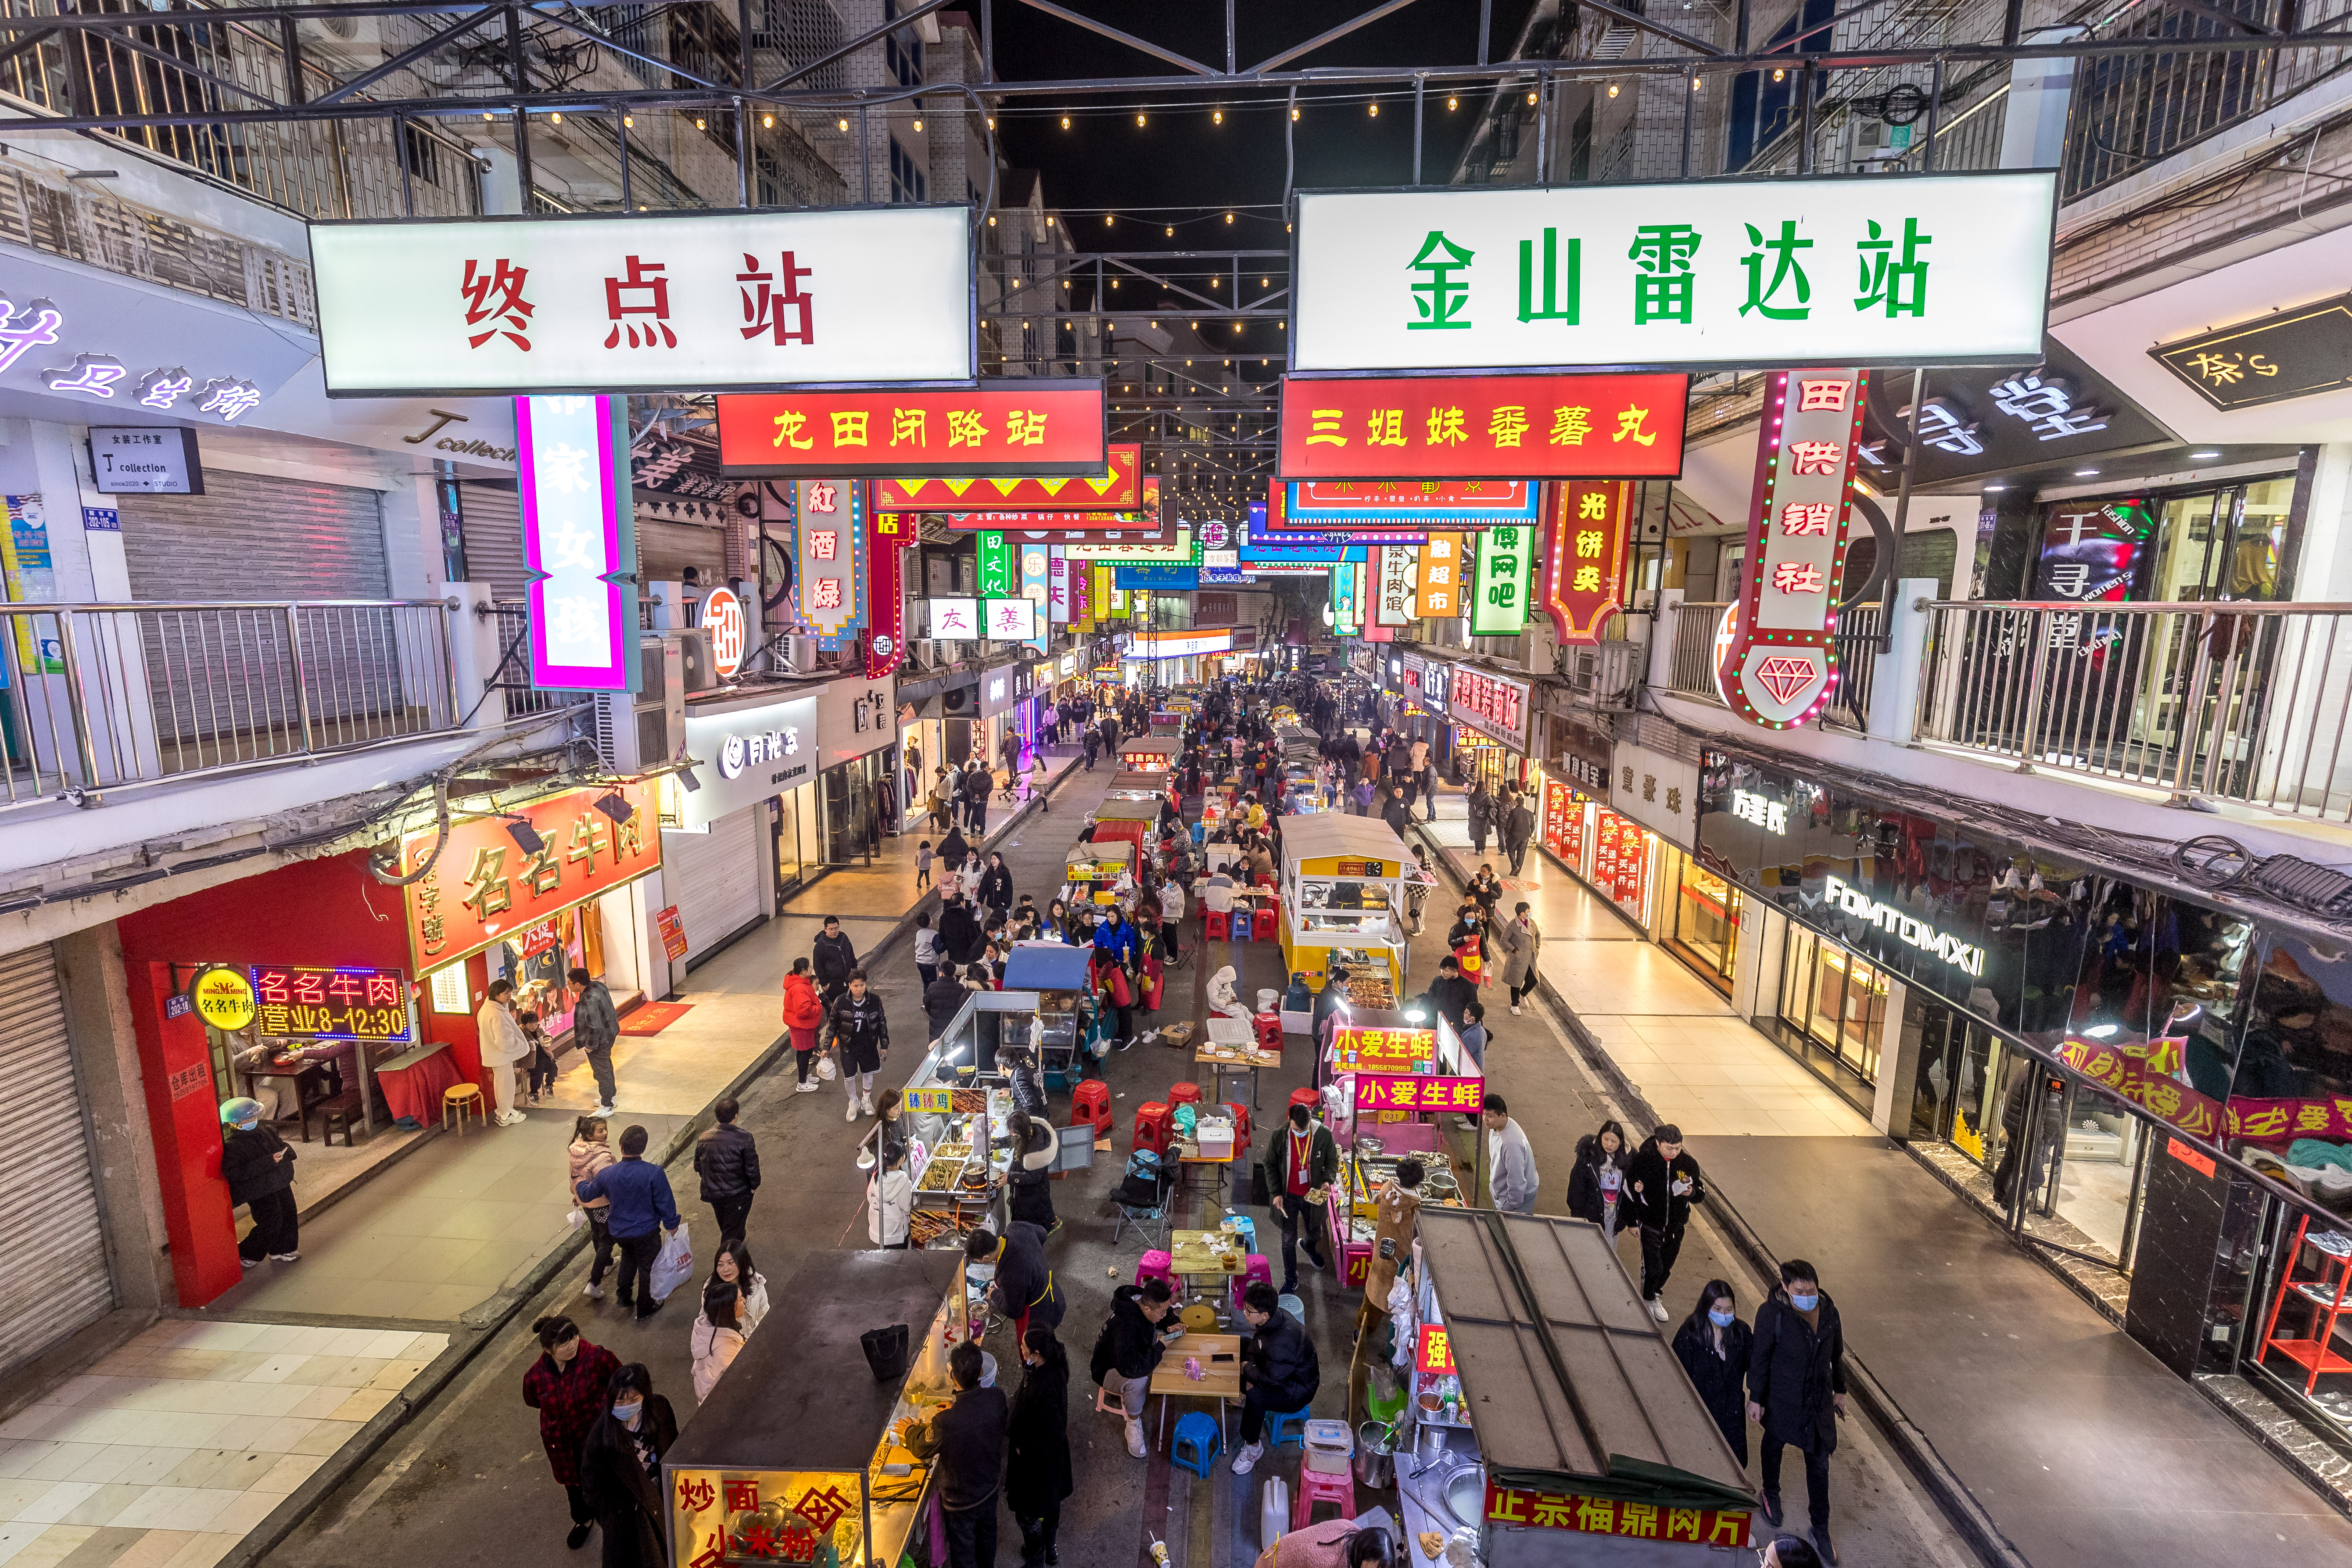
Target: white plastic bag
{"points": [[575, 1218], [826, 1069], [674, 1265]]}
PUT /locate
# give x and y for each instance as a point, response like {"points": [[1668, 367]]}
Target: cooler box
{"points": [[1328, 1448], [1214, 1139]]}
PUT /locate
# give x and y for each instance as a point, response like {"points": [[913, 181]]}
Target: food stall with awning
{"points": [[799, 1455], [1554, 1423], [1149, 755], [1128, 821], [1137, 785], [1343, 899]]}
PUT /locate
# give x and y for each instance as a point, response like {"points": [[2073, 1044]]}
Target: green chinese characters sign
{"points": [[1502, 581], [999, 575]]}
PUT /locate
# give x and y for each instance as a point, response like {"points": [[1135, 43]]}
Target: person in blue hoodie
{"points": [[642, 1208], [1118, 938]]}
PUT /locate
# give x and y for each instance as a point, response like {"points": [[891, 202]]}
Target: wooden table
{"points": [[1188, 1164], [1221, 1379], [1192, 1256], [1220, 1066]]}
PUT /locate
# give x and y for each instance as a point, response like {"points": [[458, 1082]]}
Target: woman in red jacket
{"points": [[803, 1015], [566, 1385]]}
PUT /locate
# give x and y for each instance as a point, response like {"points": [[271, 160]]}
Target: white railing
{"points": [[2244, 702], [1690, 671], [104, 697]]}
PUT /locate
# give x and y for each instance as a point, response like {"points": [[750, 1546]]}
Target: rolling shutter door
{"points": [[53, 1279], [250, 536], [493, 516], [714, 877]]}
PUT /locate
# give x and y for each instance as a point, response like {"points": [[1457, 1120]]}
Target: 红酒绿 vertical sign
{"points": [[829, 525], [579, 542]]}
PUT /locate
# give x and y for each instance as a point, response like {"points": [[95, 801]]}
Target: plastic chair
{"points": [[1253, 1269], [1216, 925], [1090, 1101], [1198, 1443], [1156, 1265], [1152, 1120], [459, 1098], [1321, 1486], [1295, 1420], [1183, 1094], [1240, 1113], [1306, 1096]]}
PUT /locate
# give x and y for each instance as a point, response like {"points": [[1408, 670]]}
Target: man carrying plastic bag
{"points": [[642, 1208]]}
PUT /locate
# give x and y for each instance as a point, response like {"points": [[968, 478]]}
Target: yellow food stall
{"points": [[1343, 898], [799, 1456]]}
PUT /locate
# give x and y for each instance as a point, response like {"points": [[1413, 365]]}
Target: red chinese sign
{"points": [[886, 533], [1434, 1354], [1394, 508], [1110, 487], [1609, 1516], [1378, 1092], [1587, 537], [482, 888], [1383, 1051], [2152, 1074], [1621, 859], [1490, 704], [1484, 426], [1779, 666], [331, 1003], [1062, 527], [1040, 427]]}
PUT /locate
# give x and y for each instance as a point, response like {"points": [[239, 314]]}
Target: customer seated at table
{"points": [[1333, 1544], [1217, 892], [1138, 1329], [1280, 1371]]}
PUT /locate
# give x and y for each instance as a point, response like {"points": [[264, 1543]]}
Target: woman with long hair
{"points": [[1712, 1346], [591, 1152], [620, 1468], [1037, 1450], [718, 1334], [732, 1263]]}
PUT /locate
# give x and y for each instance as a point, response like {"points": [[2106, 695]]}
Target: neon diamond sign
{"points": [[1785, 677]]}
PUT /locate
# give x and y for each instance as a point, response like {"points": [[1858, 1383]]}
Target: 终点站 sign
{"points": [[1878, 269]]}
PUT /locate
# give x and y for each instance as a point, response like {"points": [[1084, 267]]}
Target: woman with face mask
{"points": [[1037, 1450], [1713, 1345], [620, 1468]]}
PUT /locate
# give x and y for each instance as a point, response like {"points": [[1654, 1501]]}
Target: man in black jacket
{"points": [[1661, 1183], [1301, 1163], [1449, 993], [968, 1441], [1796, 1390], [1130, 1345], [1280, 1371], [961, 938], [1518, 827], [833, 958], [943, 998], [727, 1160], [977, 782], [1023, 1291]]}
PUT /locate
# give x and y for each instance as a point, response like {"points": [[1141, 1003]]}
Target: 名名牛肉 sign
{"points": [[321, 1003], [1877, 270], [479, 885], [1482, 426], [625, 303], [1028, 427]]}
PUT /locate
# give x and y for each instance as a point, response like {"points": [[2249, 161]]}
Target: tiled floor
{"points": [[164, 1454]]}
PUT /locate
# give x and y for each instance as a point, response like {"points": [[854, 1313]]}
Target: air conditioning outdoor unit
{"points": [[342, 41], [646, 729]]}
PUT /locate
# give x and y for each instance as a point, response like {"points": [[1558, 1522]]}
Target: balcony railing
{"points": [[105, 696], [2246, 702], [1690, 672]]}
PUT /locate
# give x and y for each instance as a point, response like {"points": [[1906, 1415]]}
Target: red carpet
{"points": [[655, 1017]]}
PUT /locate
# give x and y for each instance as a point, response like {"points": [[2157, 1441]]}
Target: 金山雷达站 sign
{"points": [[1482, 426]]}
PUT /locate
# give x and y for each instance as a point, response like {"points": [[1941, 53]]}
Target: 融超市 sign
{"points": [[618, 302], [1900, 269]]}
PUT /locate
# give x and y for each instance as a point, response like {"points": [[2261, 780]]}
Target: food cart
{"points": [[1149, 755], [1554, 1425], [1343, 899], [1054, 975], [1095, 866], [1138, 786], [1396, 1079], [1126, 821], [798, 1457]]}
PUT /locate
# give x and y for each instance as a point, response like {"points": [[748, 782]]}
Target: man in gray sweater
{"points": [[1510, 1159]]}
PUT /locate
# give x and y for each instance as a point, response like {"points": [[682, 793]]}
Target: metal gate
{"points": [[53, 1273], [714, 877]]}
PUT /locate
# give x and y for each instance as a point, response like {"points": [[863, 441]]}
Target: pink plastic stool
{"points": [[1316, 1486], [1159, 1265], [1253, 1269]]}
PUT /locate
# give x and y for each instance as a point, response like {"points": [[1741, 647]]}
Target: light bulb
{"points": [[841, 125], [559, 116], [1613, 90], [1106, 220], [629, 121], [1453, 102], [1217, 117], [699, 124], [1066, 123], [1294, 111], [1139, 119], [1266, 282], [919, 125], [1375, 107], [1171, 231], [1229, 217], [991, 123], [1777, 73]]}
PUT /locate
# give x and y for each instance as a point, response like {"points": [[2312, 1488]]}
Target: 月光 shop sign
{"points": [[1862, 271]]}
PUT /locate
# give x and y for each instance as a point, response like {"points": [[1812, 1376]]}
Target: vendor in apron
{"points": [[1021, 1286]]}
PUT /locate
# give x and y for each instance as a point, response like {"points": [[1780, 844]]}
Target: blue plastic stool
{"points": [[1246, 1226], [1198, 1443], [1295, 1420]]}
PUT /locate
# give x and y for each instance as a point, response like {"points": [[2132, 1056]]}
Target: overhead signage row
{"points": [[1488, 427], [1409, 505], [1114, 486], [1027, 427], [629, 302]]}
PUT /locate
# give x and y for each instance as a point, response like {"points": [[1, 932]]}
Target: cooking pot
{"points": [[1375, 1459]]}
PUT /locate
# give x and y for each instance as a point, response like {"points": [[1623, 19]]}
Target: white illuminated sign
{"points": [[722, 617], [955, 618], [1867, 270], [737, 752], [1768, 815], [1012, 620], [746, 754], [1917, 932], [618, 302], [145, 460]]}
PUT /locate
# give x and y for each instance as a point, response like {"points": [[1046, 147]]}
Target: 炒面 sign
{"points": [[1112, 487], [2288, 354], [1903, 269], [830, 527], [1415, 1092], [579, 542], [1407, 504], [145, 460], [1584, 569], [1491, 705], [341, 1003], [1482, 426], [626, 303], [479, 886], [1030, 427]]}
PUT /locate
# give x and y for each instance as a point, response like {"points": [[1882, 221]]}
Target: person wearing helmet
{"points": [[259, 1170]]}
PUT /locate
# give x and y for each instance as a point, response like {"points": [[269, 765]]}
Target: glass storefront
{"points": [[793, 819], [1832, 1012], [1706, 929], [851, 813]]}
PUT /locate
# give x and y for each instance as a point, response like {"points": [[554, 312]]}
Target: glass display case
{"points": [[1343, 902]]}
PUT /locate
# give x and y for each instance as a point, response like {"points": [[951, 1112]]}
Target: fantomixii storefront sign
{"points": [[623, 302], [1877, 270]]}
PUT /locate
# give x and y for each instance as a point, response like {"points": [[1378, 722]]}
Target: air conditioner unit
{"points": [[699, 671], [647, 729], [342, 40]]}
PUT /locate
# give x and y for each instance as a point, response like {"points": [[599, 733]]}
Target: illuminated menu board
{"points": [[331, 1003]]}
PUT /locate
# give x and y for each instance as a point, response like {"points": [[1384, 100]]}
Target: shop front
{"points": [[1696, 914], [752, 833], [1490, 715], [999, 701], [2224, 540], [856, 759], [1423, 709]]}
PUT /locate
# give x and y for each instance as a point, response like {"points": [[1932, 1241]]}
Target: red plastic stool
{"points": [[1183, 1094], [1319, 1485], [1240, 1113], [1270, 1030], [1151, 1124], [1307, 1097], [1216, 925], [1090, 1101]]}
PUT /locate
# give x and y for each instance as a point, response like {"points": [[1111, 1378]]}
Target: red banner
{"points": [[1041, 426], [1062, 527], [1484, 426], [1111, 487], [1434, 1354], [483, 887], [887, 533], [1403, 506], [1510, 1506], [1584, 562]]}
